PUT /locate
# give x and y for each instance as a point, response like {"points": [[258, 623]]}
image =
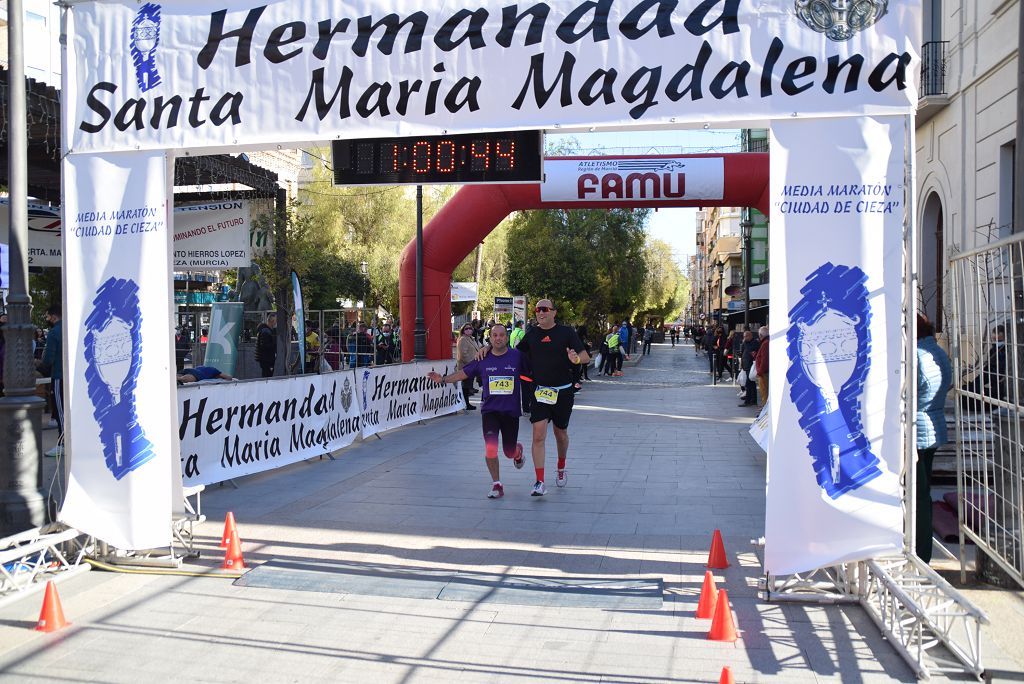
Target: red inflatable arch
{"points": [[475, 210]]}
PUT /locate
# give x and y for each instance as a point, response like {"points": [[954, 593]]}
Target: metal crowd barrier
{"points": [[987, 339]]}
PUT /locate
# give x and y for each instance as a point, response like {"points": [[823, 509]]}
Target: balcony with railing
{"points": [[933, 80]]}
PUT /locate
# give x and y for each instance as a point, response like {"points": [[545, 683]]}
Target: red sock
{"points": [[561, 463], [540, 474]]}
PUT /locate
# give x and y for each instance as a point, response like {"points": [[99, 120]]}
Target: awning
{"points": [[759, 292]]}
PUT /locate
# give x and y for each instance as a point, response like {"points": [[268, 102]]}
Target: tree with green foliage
{"points": [[666, 289], [589, 261], [371, 224]]}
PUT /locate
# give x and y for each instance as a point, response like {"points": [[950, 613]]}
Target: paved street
{"points": [[659, 459]]}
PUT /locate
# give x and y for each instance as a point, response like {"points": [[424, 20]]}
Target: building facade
{"points": [[965, 136]]}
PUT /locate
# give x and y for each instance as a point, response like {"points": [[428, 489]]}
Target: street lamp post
{"points": [[22, 503], [420, 331], [721, 292], [708, 299], [746, 227]]}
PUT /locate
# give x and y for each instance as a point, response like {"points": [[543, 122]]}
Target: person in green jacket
{"points": [[517, 334]]}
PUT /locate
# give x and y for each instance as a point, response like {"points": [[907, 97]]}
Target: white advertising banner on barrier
{"points": [[212, 237], [464, 292], [640, 178], [43, 232], [119, 365], [230, 429], [187, 74], [397, 395], [207, 237], [835, 441]]}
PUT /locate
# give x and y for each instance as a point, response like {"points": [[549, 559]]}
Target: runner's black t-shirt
{"points": [[548, 358]]}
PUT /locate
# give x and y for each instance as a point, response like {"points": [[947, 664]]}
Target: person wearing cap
{"points": [[551, 351]]}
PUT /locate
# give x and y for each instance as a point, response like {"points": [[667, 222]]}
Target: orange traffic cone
{"points": [[229, 530], [233, 556], [717, 559], [51, 617], [727, 677], [708, 594], [722, 627]]}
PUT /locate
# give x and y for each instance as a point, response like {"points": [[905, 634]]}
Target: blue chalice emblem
{"points": [[145, 37], [828, 345], [113, 361]]}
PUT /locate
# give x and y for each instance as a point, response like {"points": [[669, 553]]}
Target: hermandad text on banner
{"points": [[180, 75], [227, 433]]}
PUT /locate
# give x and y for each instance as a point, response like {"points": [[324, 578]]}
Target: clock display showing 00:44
{"points": [[506, 157]]}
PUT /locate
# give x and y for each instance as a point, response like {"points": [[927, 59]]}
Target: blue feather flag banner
{"points": [[835, 443], [119, 369]]}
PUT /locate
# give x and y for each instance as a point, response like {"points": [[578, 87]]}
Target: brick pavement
{"points": [[658, 460]]}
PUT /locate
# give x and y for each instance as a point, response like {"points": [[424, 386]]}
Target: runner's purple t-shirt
{"points": [[499, 376]]}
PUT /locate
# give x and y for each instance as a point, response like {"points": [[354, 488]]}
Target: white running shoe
{"points": [[561, 479], [538, 489], [497, 491], [518, 461]]}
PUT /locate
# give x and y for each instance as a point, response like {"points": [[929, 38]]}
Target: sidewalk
{"points": [[659, 459]]}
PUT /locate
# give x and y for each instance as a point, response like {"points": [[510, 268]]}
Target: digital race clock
{"points": [[508, 157]]}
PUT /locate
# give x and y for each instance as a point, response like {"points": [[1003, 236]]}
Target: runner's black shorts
{"points": [[558, 413], [504, 424]]}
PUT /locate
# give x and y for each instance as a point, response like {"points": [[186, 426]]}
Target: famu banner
{"points": [[396, 395], [835, 442], [232, 429], [641, 178], [206, 236], [118, 356], [188, 74]]}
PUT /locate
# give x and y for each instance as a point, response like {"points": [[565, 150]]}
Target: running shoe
{"points": [[497, 491], [561, 479], [538, 489], [518, 460]]}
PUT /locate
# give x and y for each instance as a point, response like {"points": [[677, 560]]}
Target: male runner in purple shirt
{"points": [[499, 374]]}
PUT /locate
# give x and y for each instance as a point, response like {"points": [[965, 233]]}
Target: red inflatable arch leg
{"points": [[475, 210]]}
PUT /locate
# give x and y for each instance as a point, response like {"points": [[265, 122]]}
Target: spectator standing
{"points": [[3, 350], [934, 377], [266, 346], [648, 338], [708, 343], [516, 336], [761, 360], [613, 341], [466, 350], [732, 342], [53, 365], [385, 345], [312, 349], [750, 347], [364, 346]]}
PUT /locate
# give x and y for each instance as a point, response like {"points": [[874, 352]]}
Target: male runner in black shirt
{"points": [[552, 349]]}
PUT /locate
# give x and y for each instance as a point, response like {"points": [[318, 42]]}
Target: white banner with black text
{"points": [[207, 237], [186, 74], [835, 441], [392, 396], [228, 429], [118, 361]]}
